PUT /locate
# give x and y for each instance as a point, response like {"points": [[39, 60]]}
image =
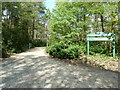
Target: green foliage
{"points": [[99, 47], [4, 53], [39, 43], [19, 21], [13, 41], [72, 21], [63, 50], [69, 24]]}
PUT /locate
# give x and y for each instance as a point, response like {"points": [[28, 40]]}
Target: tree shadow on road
{"points": [[30, 71]]}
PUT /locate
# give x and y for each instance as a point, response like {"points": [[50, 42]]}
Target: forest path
{"points": [[35, 69]]}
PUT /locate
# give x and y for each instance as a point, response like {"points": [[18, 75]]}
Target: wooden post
{"points": [[87, 47]]}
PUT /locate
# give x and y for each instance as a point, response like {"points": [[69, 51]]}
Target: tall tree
{"points": [[82, 18], [19, 20]]}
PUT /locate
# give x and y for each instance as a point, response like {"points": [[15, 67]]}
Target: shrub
{"points": [[65, 51], [39, 43], [97, 47]]}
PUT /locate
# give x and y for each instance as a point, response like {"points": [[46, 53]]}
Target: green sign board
{"points": [[101, 36]]}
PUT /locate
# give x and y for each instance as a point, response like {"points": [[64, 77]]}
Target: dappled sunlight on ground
{"points": [[34, 69]]}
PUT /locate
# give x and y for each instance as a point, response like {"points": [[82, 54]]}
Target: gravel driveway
{"points": [[35, 69]]}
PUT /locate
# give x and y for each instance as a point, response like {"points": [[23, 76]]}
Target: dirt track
{"points": [[34, 69]]}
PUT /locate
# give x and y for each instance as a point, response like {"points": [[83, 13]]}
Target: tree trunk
{"points": [[84, 18], [102, 22], [112, 28], [33, 27], [113, 23], [96, 26], [84, 28]]}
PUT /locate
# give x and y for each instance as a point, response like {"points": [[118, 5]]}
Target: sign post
{"points": [[101, 36]]}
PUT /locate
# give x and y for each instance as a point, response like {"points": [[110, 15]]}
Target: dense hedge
{"points": [[39, 43], [99, 47], [63, 51]]}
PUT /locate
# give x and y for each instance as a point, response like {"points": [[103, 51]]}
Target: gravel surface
{"points": [[35, 69]]}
